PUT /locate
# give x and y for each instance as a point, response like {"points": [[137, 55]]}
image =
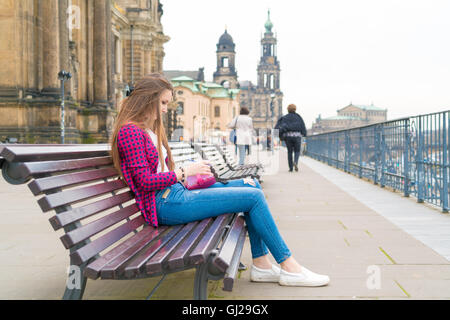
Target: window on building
{"points": [[225, 62], [217, 111], [116, 56], [272, 81], [180, 108], [265, 80]]}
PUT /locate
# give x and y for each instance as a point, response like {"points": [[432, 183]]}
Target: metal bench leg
{"points": [[201, 282]]}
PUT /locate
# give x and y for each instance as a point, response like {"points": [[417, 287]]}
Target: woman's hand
{"points": [[200, 167]]}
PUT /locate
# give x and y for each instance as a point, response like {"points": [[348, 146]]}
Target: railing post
{"points": [[376, 141], [420, 165], [330, 145], [360, 152], [347, 152], [336, 139], [445, 164], [383, 156], [406, 153]]}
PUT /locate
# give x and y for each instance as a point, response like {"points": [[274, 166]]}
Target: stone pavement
{"points": [[327, 228]]}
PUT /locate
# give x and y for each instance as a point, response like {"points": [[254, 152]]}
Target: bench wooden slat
{"points": [[98, 245], [52, 201], [179, 258], [47, 153], [176, 145], [223, 259], [37, 168], [135, 267], [82, 233], [38, 186], [67, 217], [155, 264], [230, 275], [136, 242], [115, 267], [183, 158], [209, 240], [183, 151]]}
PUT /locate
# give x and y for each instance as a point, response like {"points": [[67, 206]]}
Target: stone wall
{"points": [[36, 44]]}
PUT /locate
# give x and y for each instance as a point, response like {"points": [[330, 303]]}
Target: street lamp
{"points": [[63, 76]]}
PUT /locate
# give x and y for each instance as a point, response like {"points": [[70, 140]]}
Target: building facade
{"points": [[349, 117], [104, 44], [265, 99], [202, 108]]}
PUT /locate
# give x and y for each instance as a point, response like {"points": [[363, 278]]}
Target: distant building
{"points": [[226, 74], [196, 75], [349, 117], [201, 106], [264, 99]]}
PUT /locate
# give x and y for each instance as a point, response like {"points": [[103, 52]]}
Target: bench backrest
{"points": [[93, 206], [211, 153], [227, 155]]}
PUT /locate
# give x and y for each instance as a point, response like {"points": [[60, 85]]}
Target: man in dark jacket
{"points": [[291, 129]]}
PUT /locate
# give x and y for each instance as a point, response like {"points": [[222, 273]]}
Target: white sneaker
{"points": [[265, 275], [305, 278]]}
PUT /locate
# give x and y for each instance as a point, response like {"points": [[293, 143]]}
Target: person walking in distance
{"points": [[244, 128], [291, 129]]}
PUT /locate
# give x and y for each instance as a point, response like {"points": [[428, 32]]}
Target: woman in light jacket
{"points": [[244, 128]]}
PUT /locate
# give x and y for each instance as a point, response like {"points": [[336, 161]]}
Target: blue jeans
{"points": [[183, 206]]}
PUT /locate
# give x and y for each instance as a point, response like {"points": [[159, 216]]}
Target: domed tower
{"points": [[226, 74]]}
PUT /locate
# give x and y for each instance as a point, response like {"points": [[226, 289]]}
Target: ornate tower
{"points": [[269, 75], [269, 67], [226, 74]]}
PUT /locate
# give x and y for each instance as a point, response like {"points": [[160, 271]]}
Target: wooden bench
{"points": [[211, 153], [233, 163], [104, 231]]}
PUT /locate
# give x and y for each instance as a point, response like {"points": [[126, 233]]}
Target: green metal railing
{"points": [[409, 154]]}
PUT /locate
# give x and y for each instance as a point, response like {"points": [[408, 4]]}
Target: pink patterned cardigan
{"points": [[139, 163]]}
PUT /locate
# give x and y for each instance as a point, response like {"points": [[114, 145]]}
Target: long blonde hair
{"points": [[139, 107]]}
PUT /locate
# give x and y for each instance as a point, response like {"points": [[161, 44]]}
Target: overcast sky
{"points": [[392, 53]]}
